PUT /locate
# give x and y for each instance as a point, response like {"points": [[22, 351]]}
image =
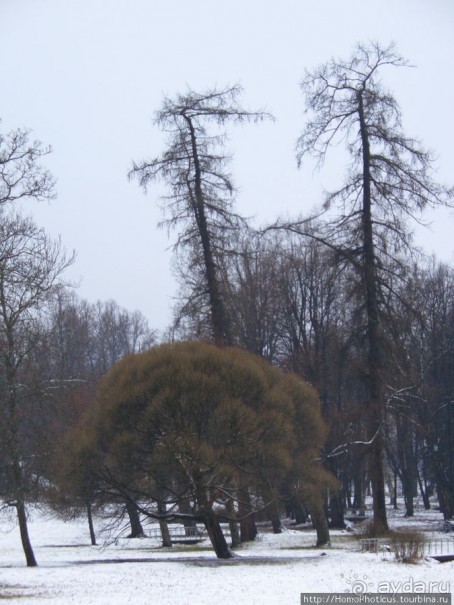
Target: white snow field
{"points": [[274, 570]]}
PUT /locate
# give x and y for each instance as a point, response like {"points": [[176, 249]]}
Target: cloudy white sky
{"points": [[87, 75]]}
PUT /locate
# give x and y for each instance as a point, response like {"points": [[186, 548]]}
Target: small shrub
{"points": [[408, 546]]}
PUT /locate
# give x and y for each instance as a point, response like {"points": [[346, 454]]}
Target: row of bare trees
{"points": [[53, 346], [294, 302], [342, 325]]}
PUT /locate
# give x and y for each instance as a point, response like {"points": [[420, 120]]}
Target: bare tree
{"points": [[21, 175], [31, 266], [388, 181], [194, 166]]}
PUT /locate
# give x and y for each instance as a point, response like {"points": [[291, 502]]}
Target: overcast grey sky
{"points": [[87, 75]]}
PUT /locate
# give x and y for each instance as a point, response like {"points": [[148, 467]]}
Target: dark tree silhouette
{"points": [[388, 181], [194, 166]]}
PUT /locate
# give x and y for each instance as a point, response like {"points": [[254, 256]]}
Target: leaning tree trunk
{"points": [[216, 535], [26, 544], [134, 520], [211, 522], [21, 513], [219, 317], [91, 526]]}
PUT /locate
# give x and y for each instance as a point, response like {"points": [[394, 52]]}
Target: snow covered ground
{"points": [[274, 570]]}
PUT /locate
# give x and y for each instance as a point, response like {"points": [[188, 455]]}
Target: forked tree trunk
{"points": [[423, 492]]}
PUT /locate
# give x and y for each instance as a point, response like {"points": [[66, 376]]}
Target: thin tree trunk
{"points": [[163, 525], [424, 494], [90, 523], [219, 318], [21, 512], [374, 355], [25, 538], [233, 524]]}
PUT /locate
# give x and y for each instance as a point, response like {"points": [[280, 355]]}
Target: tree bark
{"points": [[25, 538], [233, 524], [134, 520], [163, 525], [320, 523], [216, 536], [248, 529], [219, 320], [189, 524], [274, 516], [336, 506], [374, 354], [90, 524]]}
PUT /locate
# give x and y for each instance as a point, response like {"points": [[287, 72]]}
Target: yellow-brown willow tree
{"points": [[195, 423]]}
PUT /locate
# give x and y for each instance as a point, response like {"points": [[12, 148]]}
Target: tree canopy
{"points": [[196, 422]]}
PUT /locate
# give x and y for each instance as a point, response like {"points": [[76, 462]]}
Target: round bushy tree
{"points": [[197, 423]]}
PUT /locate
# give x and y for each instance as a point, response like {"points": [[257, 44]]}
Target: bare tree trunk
{"points": [[90, 523], [423, 491], [274, 512], [189, 524], [320, 523], [248, 528], [25, 538], [233, 524], [374, 340], [336, 506], [163, 525], [219, 319], [134, 520], [21, 512], [216, 536]]}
